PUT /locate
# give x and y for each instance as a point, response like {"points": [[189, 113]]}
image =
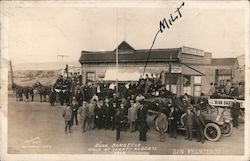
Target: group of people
{"points": [[227, 90], [71, 86], [132, 114]]}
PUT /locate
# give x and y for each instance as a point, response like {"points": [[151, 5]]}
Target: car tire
{"points": [[212, 132], [157, 128], [226, 129]]}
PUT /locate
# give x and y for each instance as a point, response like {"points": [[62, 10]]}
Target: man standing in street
{"points": [[120, 117], [83, 112], [67, 115], [200, 125], [173, 119], [74, 107], [141, 119], [235, 111], [189, 119], [161, 123], [107, 114]]}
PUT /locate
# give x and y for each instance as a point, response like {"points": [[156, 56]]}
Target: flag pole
{"points": [[116, 51]]}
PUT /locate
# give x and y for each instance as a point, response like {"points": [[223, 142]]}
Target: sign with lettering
{"points": [[225, 102], [174, 69], [193, 51]]}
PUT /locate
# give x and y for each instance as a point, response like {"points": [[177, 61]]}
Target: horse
{"points": [[20, 90], [42, 90]]}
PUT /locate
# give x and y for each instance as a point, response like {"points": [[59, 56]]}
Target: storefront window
{"points": [[187, 89], [90, 77], [197, 90], [187, 84], [173, 88], [197, 79]]}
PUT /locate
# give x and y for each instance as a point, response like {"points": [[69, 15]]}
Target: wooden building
{"points": [[192, 69]]}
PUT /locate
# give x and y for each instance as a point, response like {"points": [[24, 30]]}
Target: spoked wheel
{"points": [[212, 132], [226, 129]]}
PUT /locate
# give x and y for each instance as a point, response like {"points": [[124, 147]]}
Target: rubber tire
{"points": [[217, 128], [156, 127], [231, 129], [182, 119]]}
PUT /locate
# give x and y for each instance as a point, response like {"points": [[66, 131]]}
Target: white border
{"points": [[120, 4]]}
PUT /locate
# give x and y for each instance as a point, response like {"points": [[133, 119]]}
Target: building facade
{"points": [[192, 70]]}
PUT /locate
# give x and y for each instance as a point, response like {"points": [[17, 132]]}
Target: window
{"points": [[222, 79], [187, 89], [197, 79], [197, 90], [173, 88], [90, 77]]}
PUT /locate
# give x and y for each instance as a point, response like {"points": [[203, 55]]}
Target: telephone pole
{"points": [[62, 56]]}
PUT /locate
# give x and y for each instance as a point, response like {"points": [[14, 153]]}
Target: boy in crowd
{"points": [[67, 115]]}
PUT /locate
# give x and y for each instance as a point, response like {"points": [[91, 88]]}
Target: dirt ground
{"points": [[35, 127]]}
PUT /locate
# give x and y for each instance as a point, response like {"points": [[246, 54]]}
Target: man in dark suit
{"points": [[141, 119], [74, 107], [200, 125], [235, 111], [119, 119], [107, 113], [189, 119], [173, 118]]}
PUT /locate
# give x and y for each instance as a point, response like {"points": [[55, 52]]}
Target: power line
{"points": [[150, 51]]}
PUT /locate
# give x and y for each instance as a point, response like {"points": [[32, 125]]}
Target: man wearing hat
{"points": [[189, 119], [200, 125], [235, 111], [161, 124], [141, 119], [119, 118], [173, 119], [83, 112], [74, 107]]}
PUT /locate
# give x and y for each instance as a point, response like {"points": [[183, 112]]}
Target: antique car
{"points": [[217, 117]]}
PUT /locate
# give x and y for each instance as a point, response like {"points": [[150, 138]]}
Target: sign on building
{"points": [[192, 51]]}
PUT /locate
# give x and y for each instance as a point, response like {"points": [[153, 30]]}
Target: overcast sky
{"points": [[40, 34]]}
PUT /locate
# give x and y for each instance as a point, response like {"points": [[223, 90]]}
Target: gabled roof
{"points": [[223, 61], [156, 55], [124, 46]]}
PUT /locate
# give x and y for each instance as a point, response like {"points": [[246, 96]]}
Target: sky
{"points": [[39, 34]]}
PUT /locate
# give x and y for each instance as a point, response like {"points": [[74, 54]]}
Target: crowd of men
{"points": [[227, 90], [99, 106]]}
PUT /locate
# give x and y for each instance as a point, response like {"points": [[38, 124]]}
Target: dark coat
{"points": [[142, 114], [107, 110], [199, 121], [120, 117], [173, 119], [235, 109]]}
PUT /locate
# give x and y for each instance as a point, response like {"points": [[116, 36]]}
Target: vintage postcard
{"points": [[124, 80]]}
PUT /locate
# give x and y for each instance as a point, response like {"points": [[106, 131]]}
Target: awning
{"points": [[188, 70], [123, 75]]}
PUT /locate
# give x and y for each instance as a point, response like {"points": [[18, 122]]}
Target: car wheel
{"points": [[157, 128], [212, 132], [227, 129]]}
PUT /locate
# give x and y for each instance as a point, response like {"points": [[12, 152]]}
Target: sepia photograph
{"points": [[124, 80]]}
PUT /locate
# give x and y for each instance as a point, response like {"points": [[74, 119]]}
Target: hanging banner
{"points": [[225, 102]]}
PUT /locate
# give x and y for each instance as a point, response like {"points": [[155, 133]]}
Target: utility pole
{"points": [[11, 73], [116, 51], [62, 56]]}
